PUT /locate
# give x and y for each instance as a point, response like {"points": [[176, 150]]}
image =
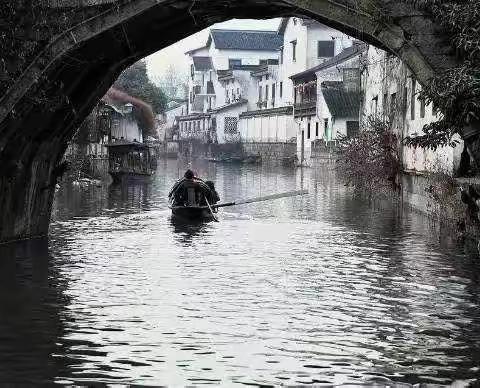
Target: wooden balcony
{"points": [[307, 108]]}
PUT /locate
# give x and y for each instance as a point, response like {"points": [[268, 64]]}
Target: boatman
{"points": [[204, 190], [213, 197]]}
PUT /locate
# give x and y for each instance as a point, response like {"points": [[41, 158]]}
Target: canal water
{"points": [[323, 289]]}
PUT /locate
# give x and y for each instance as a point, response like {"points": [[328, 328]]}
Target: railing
{"points": [[305, 108]]}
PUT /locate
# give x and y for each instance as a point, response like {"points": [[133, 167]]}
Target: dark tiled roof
{"points": [[340, 102], [282, 110], [345, 55], [195, 49], [202, 63], [231, 105], [174, 105], [246, 40], [282, 26]]}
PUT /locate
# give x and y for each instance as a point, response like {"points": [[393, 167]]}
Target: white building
{"points": [[306, 44], [327, 102], [124, 124], [219, 84], [168, 121], [391, 93]]}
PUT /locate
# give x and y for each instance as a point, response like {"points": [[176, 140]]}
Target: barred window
{"points": [[231, 125], [326, 48]]}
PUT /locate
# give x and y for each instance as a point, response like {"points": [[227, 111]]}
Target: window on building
{"points": [[412, 99], [273, 92], [192, 70], [325, 129], [294, 51], [281, 55], [234, 62], [316, 129], [351, 79], [375, 106], [230, 125], [259, 93], [404, 101], [281, 89], [422, 108], [227, 95], [352, 128], [266, 92], [325, 48], [308, 130], [393, 104]]}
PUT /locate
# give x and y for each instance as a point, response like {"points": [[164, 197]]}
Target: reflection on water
{"points": [[317, 289]]}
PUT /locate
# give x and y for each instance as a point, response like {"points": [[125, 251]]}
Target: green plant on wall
{"points": [[454, 92]]}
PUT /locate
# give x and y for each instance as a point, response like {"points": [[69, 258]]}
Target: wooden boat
{"points": [[130, 160], [191, 202], [193, 213], [193, 209]]}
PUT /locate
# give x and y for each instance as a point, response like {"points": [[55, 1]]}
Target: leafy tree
{"points": [[136, 83], [173, 83]]}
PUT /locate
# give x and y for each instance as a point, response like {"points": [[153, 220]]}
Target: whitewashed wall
{"points": [[387, 75], [267, 129], [307, 37], [249, 57], [220, 119], [127, 128]]}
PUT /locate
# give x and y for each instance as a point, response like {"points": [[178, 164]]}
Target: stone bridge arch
{"points": [[72, 68]]}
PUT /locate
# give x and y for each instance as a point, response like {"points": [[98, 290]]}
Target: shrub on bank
{"points": [[443, 193], [369, 162]]}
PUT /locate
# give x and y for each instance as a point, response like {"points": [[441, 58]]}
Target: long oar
{"points": [[264, 198], [211, 210]]}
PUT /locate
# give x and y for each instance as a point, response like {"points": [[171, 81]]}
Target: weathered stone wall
{"points": [[271, 152]]}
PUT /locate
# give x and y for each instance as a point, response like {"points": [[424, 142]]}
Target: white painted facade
{"points": [[391, 93], [124, 124], [306, 34], [237, 88], [227, 123], [168, 120], [274, 128], [300, 51], [322, 125]]}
